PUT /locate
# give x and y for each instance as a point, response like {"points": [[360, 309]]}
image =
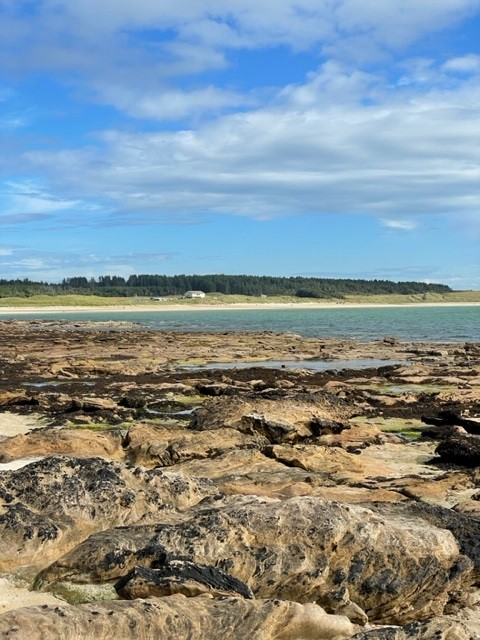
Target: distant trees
{"points": [[161, 285]]}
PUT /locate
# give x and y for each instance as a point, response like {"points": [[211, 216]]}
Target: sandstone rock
{"points": [[16, 398], [70, 442], [336, 387], [275, 431], [466, 530], [250, 472], [322, 426], [303, 549], [177, 618], [48, 505], [329, 461], [93, 404], [165, 447], [297, 411], [170, 576], [444, 490], [359, 435], [439, 628]]}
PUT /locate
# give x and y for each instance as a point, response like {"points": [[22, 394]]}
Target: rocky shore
{"points": [[145, 493]]}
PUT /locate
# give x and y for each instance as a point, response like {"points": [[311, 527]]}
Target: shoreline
{"points": [[222, 307]]}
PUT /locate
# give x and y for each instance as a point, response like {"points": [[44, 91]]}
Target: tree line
{"points": [[161, 285]]}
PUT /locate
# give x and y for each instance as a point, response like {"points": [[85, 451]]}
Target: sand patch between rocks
{"points": [[13, 424], [18, 464], [13, 597]]}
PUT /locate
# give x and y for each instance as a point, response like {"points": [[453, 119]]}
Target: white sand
{"points": [[13, 424], [13, 597], [222, 307], [18, 464]]}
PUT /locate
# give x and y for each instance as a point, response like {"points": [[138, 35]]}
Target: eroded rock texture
{"points": [[348, 559], [170, 576], [47, 506], [177, 618]]}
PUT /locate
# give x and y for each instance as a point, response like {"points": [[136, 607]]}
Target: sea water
{"points": [[412, 323]]}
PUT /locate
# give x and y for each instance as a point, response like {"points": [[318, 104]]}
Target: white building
{"points": [[194, 294]]}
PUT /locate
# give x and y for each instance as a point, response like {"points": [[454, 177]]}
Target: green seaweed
{"points": [[82, 593]]}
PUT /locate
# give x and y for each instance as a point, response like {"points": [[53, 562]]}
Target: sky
{"points": [[335, 138]]}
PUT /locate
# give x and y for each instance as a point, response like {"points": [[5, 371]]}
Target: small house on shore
{"points": [[194, 294]]}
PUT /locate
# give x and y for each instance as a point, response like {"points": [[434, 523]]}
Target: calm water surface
{"points": [[435, 324]]}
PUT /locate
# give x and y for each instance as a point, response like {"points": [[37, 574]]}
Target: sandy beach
{"points": [[220, 307]]}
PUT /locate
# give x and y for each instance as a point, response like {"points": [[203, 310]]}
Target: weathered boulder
{"points": [[16, 398], [93, 404], [177, 618], [47, 506], [346, 558], [284, 419], [174, 575], [166, 447], [461, 450], [466, 530], [438, 628]]}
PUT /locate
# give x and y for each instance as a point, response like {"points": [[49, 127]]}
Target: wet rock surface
{"points": [[339, 499]]}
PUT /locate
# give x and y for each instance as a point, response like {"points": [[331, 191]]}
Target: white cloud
{"points": [[30, 200], [341, 143], [464, 64], [333, 84], [175, 105], [122, 53], [403, 225], [13, 122]]}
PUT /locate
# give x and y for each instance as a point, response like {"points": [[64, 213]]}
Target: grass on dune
{"points": [[418, 298]]}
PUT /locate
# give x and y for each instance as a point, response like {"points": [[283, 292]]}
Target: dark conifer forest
{"points": [[161, 285]]}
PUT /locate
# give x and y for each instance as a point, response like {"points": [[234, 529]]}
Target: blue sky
{"points": [[336, 138]]}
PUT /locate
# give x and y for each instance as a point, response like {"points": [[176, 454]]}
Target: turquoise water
{"points": [[435, 324]]}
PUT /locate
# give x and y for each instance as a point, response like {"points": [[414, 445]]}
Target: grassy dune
{"points": [[218, 300], [454, 296]]}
